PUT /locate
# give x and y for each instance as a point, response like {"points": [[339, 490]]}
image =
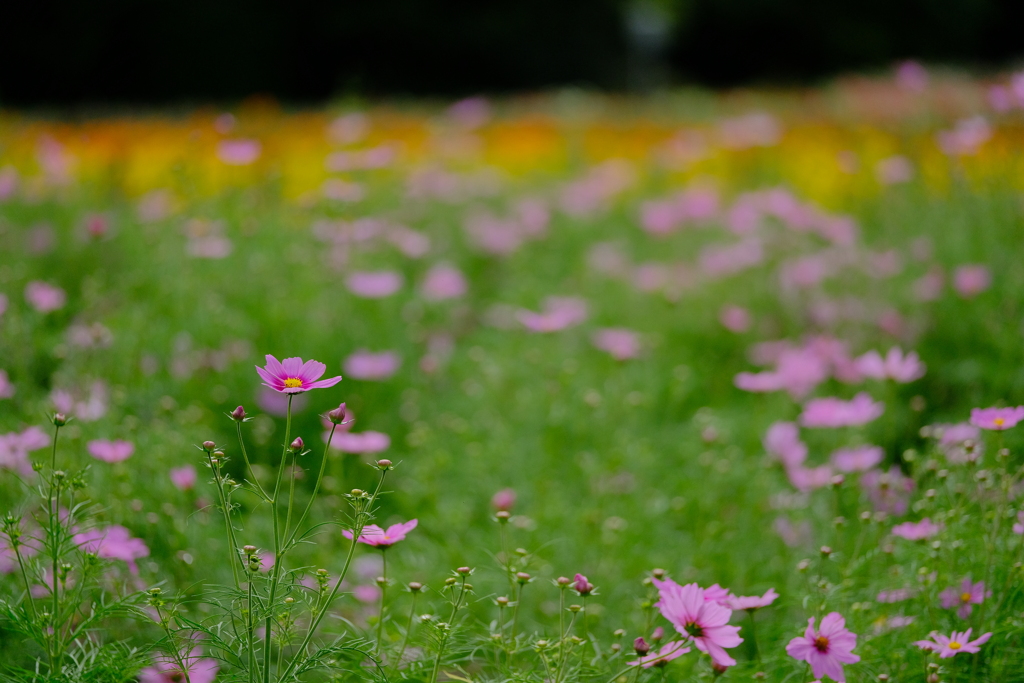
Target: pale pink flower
{"points": [[16, 446], [558, 313], [113, 543], [827, 648], [366, 594], [929, 286], [44, 297], [964, 598], [917, 531], [859, 459], [835, 412], [783, 441], [239, 152], [167, 670], [471, 112], [722, 260], [971, 280], [8, 182], [792, 535], [954, 644], [1000, 98], [956, 434], [503, 500], [184, 477], [374, 284], [442, 282], [359, 442], [735, 319], [6, 388], [912, 76], [997, 419], [966, 137], [349, 128], [895, 366], [209, 247], [888, 491], [377, 537], [111, 451], [756, 129], [751, 603], [620, 343], [276, 403], [893, 170], [340, 190], [93, 407], [369, 366], [669, 651], [809, 478], [1018, 526], [898, 595], [293, 376], [705, 622]]}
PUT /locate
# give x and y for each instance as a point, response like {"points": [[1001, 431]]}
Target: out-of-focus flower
{"points": [[835, 412], [15, 447], [184, 477], [953, 644], [620, 343], [6, 388], [860, 459], [91, 408], [751, 603], [8, 182], [964, 598], [114, 543], [735, 319], [44, 297], [912, 76], [111, 451], [442, 282], [471, 112], [895, 366], [971, 280], [997, 419], [704, 621], [827, 648], [166, 669], [894, 170], [369, 366], [95, 336], [898, 595], [349, 128], [966, 137], [360, 442], [809, 478], [503, 500], [669, 651], [374, 284], [366, 594], [240, 152], [377, 537], [917, 531], [293, 376], [1018, 526], [582, 585], [276, 403], [558, 313], [783, 441], [888, 491]]}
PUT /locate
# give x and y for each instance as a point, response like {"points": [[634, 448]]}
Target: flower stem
{"points": [[278, 558], [383, 595], [408, 630], [55, 533], [234, 558]]}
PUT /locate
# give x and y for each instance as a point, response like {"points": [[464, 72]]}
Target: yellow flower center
{"points": [[953, 645], [293, 383], [965, 597], [386, 537], [998, 422]]}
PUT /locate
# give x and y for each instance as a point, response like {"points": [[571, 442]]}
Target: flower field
{"points": [[683, 387]]}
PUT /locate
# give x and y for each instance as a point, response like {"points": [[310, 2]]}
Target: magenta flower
{"points": [[443, 282], [735, 319], [783, 441], [167, 670], [620, 343], [715, 593], [917, 531], [382, 538], [1018, 526], [966, 597], [669, 651], [369, 366], [897, 595], [997, 419], [751, 603], [860, 459], [970, 281], [895, 366], [503, 500], [809, 478], [559, 313], [835, 412], [359, 442], [239, 152], [44, 297], [374, 284], [581, 585], [954, 644], [705, 622], [888, 491], [827, 648], [184, 478], [15, 447], [294, 376], [113, 543], [111, 451]]}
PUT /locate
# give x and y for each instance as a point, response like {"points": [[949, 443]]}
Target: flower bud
{"points": [[837, 481], [616, 647], [249, 549], [297, 445], [503, 516], [582, 586], [60, 419], [289, 601], [382, 582], [641, 647], [504, 500], [619, 632], [825, 551], [574, 608], [658, 573], [450, 581], [238, 414], [415, 586], [218, 454], [464, 570], [563, 581], [337, 416], [502, 601], [657, 634], [522, 577], [384, 464], [209, 445]]}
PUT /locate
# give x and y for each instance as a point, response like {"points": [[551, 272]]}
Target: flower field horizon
{"points": [[743, 365]]}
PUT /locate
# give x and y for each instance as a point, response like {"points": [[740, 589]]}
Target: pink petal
{"points": [[292, 366]]}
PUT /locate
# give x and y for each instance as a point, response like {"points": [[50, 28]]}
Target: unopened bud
{"points": [[289, 601], [641, 647], [249, 549], [415, 586], [658, 573], [382, 582], [837, 481], [657, 634], [337, 416], [522, 577], [803, 565], [563, 581], [218, 454], [464, 570], [502, 601], [297, 445], [238, 414], [209, 445], [619, 632], [574, 608], [450, 581], [384, 464], [60, 419], [826, 551], [502, 516]]}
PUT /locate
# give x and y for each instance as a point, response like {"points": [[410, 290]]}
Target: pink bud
{"points": [[641, 647], [582, 585], [238, 414], [298, 444], [504, 499], [337, 416]]}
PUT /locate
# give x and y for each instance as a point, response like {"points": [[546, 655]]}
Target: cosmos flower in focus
{"points": [[293, 376], [377, 537]]}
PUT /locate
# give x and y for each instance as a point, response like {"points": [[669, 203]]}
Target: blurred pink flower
{"points": [[620, 343], [968, 595], [966, 137], [293, 376], [15, 447], [595, 191], [113, 543], [1000, 98], [349, 128], [240, 152], [669, 651], [184, 477], [721, 260], [93, 407], [997, 419], [735, 319], [111, 451], [209, 247], [953, 644], [756, 129], [276, 403], [503, 500], [44, 297], [971, 280], [3, 303], [411, 243], [377, 537], [558, 313], [888, 491], [912, 76], [895, 365], [8, 182], [374, 284], [340, 190], [366, 594], [859, 459], [917, 531], [783, 441], [1018, 526], [6, 388], [893, 170], [835, 412], [928, 287], [898, 595], [809, 478], [167, 670], [369, 366], [704, 621], [360, 442], [827, 648], [442, 282], [751, 603]]}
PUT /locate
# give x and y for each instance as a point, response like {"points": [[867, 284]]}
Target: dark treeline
{"points": [[159, 51]]}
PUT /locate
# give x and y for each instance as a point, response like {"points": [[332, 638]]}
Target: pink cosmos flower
{"points": [[184, 478], [239, 152], [893, 170], [367, 595], [377, 537], [860, 459], [971, 280], [620, 343], [835, 412], [44, 297], [669, 651], [954, 644], [912, 76], [1018, 526], [735, 319], [15, 447], [966, 137], [997, 419], [113, 543], [783, 441], [751, 603], [111, 451], [359, 442], [558, 313], [705, 622], [827, 648], [293, 376], [6, 388], [369, 366], [374, 284], [898, 595], [582, 585], [917, 531], [894, 366], [443, 282], [809, 478], [888, 491], [167, 670], [966, 597], [504, 500], [471, 112]]}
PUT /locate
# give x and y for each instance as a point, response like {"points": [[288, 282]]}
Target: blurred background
{"points": [[61, 52]]}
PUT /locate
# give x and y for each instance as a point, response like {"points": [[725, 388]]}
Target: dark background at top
{"points": [[61, 52]]}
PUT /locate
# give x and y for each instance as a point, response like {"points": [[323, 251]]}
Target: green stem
{"points": [[316, 489], [248, 465], [278, 556], [753, 636], [250, 627], [408, 630], [56, 656], [383, 594], [234, 558]]}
